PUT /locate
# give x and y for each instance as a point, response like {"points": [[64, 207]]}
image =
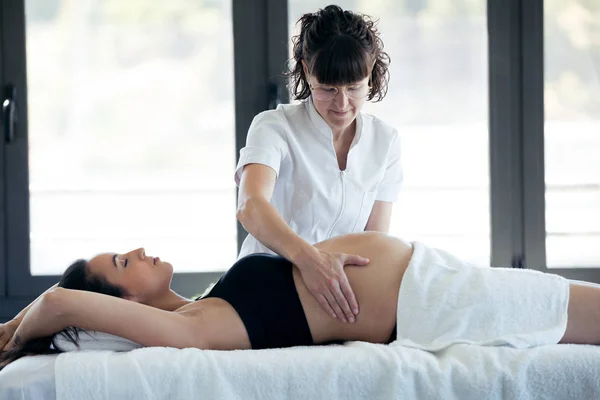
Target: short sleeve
{"points": [[392, 180], [265, 144]]}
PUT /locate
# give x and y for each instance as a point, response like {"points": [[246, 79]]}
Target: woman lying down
{"points": [[408, 293]]}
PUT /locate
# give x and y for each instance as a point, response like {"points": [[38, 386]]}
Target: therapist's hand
{"points": [[324, 276], [7, 331]]}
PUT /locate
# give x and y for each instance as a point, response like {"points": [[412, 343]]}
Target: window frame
{"points": [[517, 119], [534, 192]]}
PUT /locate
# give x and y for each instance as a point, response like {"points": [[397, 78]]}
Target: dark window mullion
{"points": [[504, 29], [3, 258], [534, 216], [250, 69], [260, 48], [277, 45]]}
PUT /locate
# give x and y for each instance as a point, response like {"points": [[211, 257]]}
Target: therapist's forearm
{"points": [[19, 317], [263, 222]]}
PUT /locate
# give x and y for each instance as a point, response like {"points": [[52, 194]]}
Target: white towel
{"points": [[444, 301], [354, 371]]}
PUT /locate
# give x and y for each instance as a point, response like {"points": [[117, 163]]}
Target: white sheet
{"points": [[459, 372], [29, 378], [354, 371]]}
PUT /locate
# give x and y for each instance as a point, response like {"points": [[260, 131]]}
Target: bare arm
{"points": [[7, 330], [262, 220], [380, 218], [322, 272], [23, 312], [148, 326]]}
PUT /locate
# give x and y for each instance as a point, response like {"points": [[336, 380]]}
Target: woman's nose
{"points": [[141, 253], [341, 99]]}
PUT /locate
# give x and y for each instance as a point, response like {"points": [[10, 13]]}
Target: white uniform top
{"points": [[314, 197]]}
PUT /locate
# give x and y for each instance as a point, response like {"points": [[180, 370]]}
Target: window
{"points": [[572, 133], [131, 131]]}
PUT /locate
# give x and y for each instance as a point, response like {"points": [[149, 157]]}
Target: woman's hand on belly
{"points": [[324, 276]]}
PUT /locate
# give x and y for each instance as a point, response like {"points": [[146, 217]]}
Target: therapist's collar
{"points": [[322, 126]]}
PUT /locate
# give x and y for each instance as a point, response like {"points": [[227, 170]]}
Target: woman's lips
{"points": [[340, 113]]}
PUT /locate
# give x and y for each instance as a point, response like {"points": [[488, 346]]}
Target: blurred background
{"points": [[132, 127]]}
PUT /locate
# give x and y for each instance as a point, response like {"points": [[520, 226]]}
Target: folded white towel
{"points": [[444, 301]]}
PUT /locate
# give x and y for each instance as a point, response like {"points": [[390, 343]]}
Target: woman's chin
{"points": [[168, 271], [340, 121]]}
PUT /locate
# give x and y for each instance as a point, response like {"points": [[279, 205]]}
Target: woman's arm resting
{"points": [[148, 326], [7, 329], [381, 216]]}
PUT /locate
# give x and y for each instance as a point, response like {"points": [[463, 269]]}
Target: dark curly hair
{"points": [[339, 47]]}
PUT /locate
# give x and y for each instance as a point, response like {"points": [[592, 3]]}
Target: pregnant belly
{"points": [[375, 286]]}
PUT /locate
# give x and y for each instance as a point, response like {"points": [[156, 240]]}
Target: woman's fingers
{"points": [[333, 303], [348, 294], [325, 304], [345, 289], [6, 341], [327, 281], [10, 344], [5, 336], [342, 301]]}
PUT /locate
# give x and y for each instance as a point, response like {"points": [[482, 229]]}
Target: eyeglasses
{"points": [[326, 93]]}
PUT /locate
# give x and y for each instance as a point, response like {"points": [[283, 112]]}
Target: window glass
{"points": [[572, 132], [131, 131]]}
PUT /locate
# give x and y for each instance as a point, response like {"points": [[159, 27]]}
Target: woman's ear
{"points": [[305, 68]]}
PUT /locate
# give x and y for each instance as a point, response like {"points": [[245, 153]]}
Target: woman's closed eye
{"points": [[123, 262]]}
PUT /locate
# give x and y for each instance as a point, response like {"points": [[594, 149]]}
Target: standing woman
{"points": [[321, 168]]}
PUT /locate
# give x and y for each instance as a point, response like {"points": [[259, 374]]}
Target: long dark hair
{"points": [[78, 277], [339, 47]]}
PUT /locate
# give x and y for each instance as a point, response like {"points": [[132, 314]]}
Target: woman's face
{"points": [[340, 111], [143, 277]]}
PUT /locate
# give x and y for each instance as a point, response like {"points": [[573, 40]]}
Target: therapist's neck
{"points": [[342, 134]]}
